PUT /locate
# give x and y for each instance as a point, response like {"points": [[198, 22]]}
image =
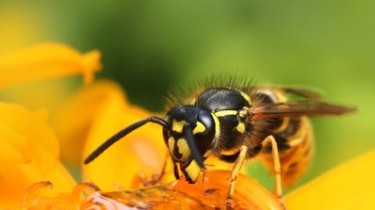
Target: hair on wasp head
{"points": [[188, 133]]}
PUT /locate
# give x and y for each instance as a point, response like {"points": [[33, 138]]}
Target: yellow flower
{"points": [[29, 147], [30, 152]]}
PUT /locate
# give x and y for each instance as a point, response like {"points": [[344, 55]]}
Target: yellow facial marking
{"points": [[171, 143], [193, 170], [183, 148], [177, 126], [241, 127], [199, 128], [246, 97], [223, 113]]}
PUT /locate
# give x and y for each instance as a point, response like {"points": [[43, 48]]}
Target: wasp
{"points": [[239, 122]]}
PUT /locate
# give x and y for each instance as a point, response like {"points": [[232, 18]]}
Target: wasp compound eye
{"points": [[204, 131], [206, 119]]}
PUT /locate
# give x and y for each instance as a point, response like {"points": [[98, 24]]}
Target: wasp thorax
{"points": [[190, 135]]}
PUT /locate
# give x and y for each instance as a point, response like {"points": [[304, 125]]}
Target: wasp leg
{"points": [[155, 178], [233, 177], [277, 167]]}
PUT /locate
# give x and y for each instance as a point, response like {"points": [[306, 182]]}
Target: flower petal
{"points": [[29, 153], [46, 61], [41, 195], [142, 151], [74, 120], [348, 186], [209, 192]]}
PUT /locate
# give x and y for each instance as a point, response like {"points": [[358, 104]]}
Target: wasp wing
{"points": [[298, 109], [304, 92], [308, 93]]}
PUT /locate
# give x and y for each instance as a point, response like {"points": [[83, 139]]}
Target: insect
{"points": [[235, 123]]}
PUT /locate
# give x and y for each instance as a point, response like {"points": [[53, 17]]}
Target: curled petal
{"points": [[46, 61]]}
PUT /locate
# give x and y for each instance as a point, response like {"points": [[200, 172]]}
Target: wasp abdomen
{"points": [[295, 144]]}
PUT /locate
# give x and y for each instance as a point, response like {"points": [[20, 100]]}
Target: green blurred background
{"points": [[149, 46]]}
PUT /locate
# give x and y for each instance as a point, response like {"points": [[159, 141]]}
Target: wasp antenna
{"points": [[188, 133], [123, 133]]}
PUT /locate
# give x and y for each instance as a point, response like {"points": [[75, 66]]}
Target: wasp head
{"points": [[189, 133], [189, 138]]}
